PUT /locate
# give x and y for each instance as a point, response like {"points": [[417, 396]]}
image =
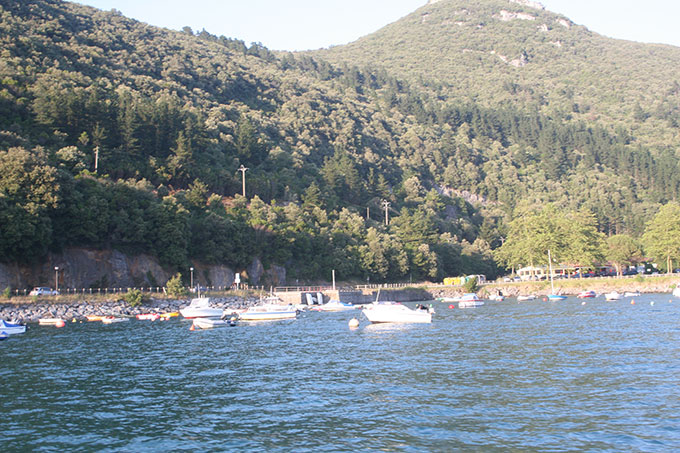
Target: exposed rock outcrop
{"points": [[84, 268]]}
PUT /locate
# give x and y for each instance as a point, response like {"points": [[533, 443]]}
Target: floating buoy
{"points": [[651, 303], [354, 322], [192, 327], [452, 306], [583, 303], [59, 323], [74, 320], [545, 299], [632, 302]]}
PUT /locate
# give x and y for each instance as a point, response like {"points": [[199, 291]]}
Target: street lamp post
{"points": [[243, 169], [56, 278], [192, 277]]}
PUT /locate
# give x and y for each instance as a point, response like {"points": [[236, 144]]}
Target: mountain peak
{"points": [[529, 3]]}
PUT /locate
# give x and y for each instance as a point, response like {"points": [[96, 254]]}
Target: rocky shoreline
{"points": [[33, 311]]}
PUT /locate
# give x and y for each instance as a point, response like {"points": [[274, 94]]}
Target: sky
{"points": [[312, 24]]}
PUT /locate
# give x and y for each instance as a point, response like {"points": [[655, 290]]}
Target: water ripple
{"points": [[533, 376]]}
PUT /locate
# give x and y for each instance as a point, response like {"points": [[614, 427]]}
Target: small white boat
{"points": [[470, 300], [148, 316], [632, 294], [613, 296], [336, 305], [527, 297], [676, 291], [200, 308], [11, 328], [50, 321], [497, 297], [378, 312], [268, 312], [448, 299], [210, 323], [113, 319]]}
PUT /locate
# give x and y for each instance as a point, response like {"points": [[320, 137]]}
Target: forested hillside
{"points": [[514, 52], [116, 134]]}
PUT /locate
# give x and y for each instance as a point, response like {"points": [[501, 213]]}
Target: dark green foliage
{"points": [[172, 115], [135, 298]]}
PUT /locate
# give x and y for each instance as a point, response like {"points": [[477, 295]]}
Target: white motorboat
{"points": [[633, 294], [200, 308], [527, 297], [50, 321], [336, 305], [268, 312], [11, 328], [613, 296], [396, 312], [470, 300], [497, 297], [210, 323], [676, 291]]}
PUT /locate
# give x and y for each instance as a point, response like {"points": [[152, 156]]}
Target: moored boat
{"points": [[50, 321], [526, 297], [113, 319], [336, 305], [614, 295], [210, 323], [586, 294], [11, 328], [631, 294], [470, 300], [148, 316], [556, 297], [172, 314], [200, 308], [268, 312], [395, 312]]}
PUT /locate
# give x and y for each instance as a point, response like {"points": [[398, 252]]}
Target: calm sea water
{"points": [[508, 376]]}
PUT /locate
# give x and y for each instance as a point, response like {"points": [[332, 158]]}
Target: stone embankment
{"points": [[33, 311]]}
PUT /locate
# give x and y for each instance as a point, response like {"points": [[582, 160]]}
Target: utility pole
{"points": [[243, 169], [386, 205]]}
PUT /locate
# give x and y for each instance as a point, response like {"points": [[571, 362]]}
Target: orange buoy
{"points": [[192, 327], [632, 302], [59, 323], [452, 306]]}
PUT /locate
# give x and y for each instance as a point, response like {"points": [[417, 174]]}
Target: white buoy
{"points": [[651, 303], [354, 322], [583, 303]]}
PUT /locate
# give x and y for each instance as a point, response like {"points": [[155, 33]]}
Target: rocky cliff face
{"points": [[85, 268]]}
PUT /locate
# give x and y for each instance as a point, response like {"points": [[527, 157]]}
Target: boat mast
{"points": [[552, 285]]}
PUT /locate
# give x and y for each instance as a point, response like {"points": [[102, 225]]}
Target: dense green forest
{"points": [[116, 134]]}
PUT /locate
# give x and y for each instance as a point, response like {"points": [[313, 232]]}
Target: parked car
{"points": [[43, 291]]}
